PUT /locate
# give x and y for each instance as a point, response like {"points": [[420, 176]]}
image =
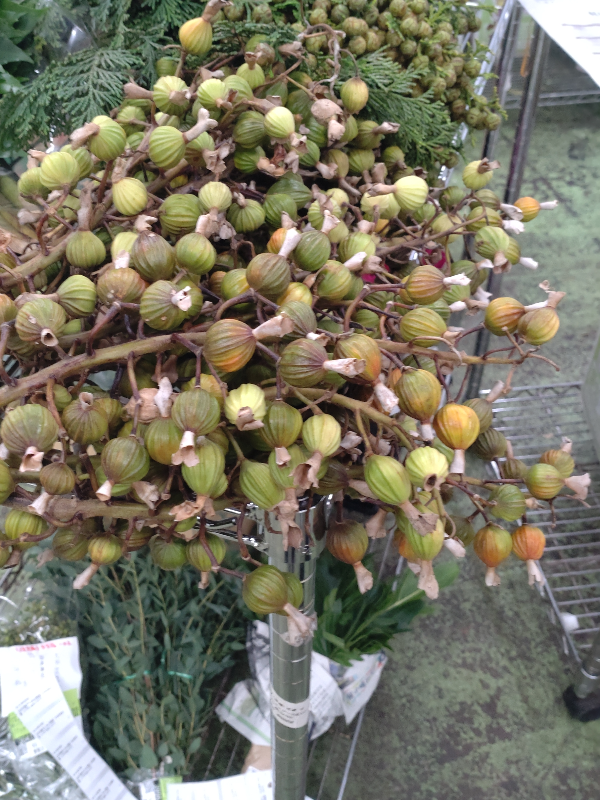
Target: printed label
{"points": [[292, 715]]}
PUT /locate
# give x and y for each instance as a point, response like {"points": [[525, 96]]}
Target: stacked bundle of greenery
{"points": [[210, 242], [410, 55]]}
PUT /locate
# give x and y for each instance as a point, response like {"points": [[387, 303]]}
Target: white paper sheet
{"points": [[574, 26]]}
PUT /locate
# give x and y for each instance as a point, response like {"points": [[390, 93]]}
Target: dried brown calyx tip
{"points": [[427, 581], [213, 7], [186, 454], [80, 136], [277, 326], [364, 578], [144, 222], [375, 527], [300, 627], [456, 547], [245, 420], [32, 460], [86, 576], [305, 474], [282, 456], [386, 398], [147, 492], [534, 572], [329, 222], [579, 485], [286, 516], [491, 577], [104, 493], [192, 508], [40, 505], [567, 445], [348, 367], [485, 165], [495, 392], [423, 522], [292, 237], [327, 171]]}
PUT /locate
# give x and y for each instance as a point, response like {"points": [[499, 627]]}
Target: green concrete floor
{"points": [[469, 705]]}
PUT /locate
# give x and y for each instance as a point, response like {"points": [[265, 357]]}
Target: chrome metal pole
{"points": [[588, 679], [290, 666]]}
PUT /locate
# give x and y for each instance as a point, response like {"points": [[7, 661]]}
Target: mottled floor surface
{"points": [[469, 706]]}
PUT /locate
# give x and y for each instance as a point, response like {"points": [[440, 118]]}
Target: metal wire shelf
{"points": [[534, 419]]}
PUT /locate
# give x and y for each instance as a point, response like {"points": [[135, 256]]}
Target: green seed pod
{"points": [[211, 93], [356, 243], [419, 394], [40, 320], [199, 558], [166, 147], [238, 85], [282, 424], [179, 214], [165, 66], [195, 253], [265, 590], [7, 485], [279, 123], [426, 468], [57, 478], [105, 549], [300, 193], [204, 478], [514, 469], [365, 139], [491, 241], [127, 117], [84, 421], [355, 95], [302, 363], [59, 170], [425, 547], [477, 175], [77, 295], [196, 411], [275, 205], [229, 344], [360, 160], [85, 250], [322, 434], [109, 141], [503, 315], [21, 522], [489, 445], [245, 404], [69, 545], [247, 217], [113, 410], [170, 95], [539, 326], [411, 192], [249, 130], [387, 479], [510, 503], [30, 183], [543, 481], [484, 412], [194, 150], [162, 440], [153, 257], [196, 36], [123, 461], [129, 196], [296, 292], [312, 251], [269, 274], [120, 284], [312, 155], [252, 74], [122, 243], [234, 283], [214, 195], [28, 431], [163, 306], [347, 541], [561, 460], [247, 160], [302, 316], [168, 555], [283, 475], [420, 324], [258, 485]]}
